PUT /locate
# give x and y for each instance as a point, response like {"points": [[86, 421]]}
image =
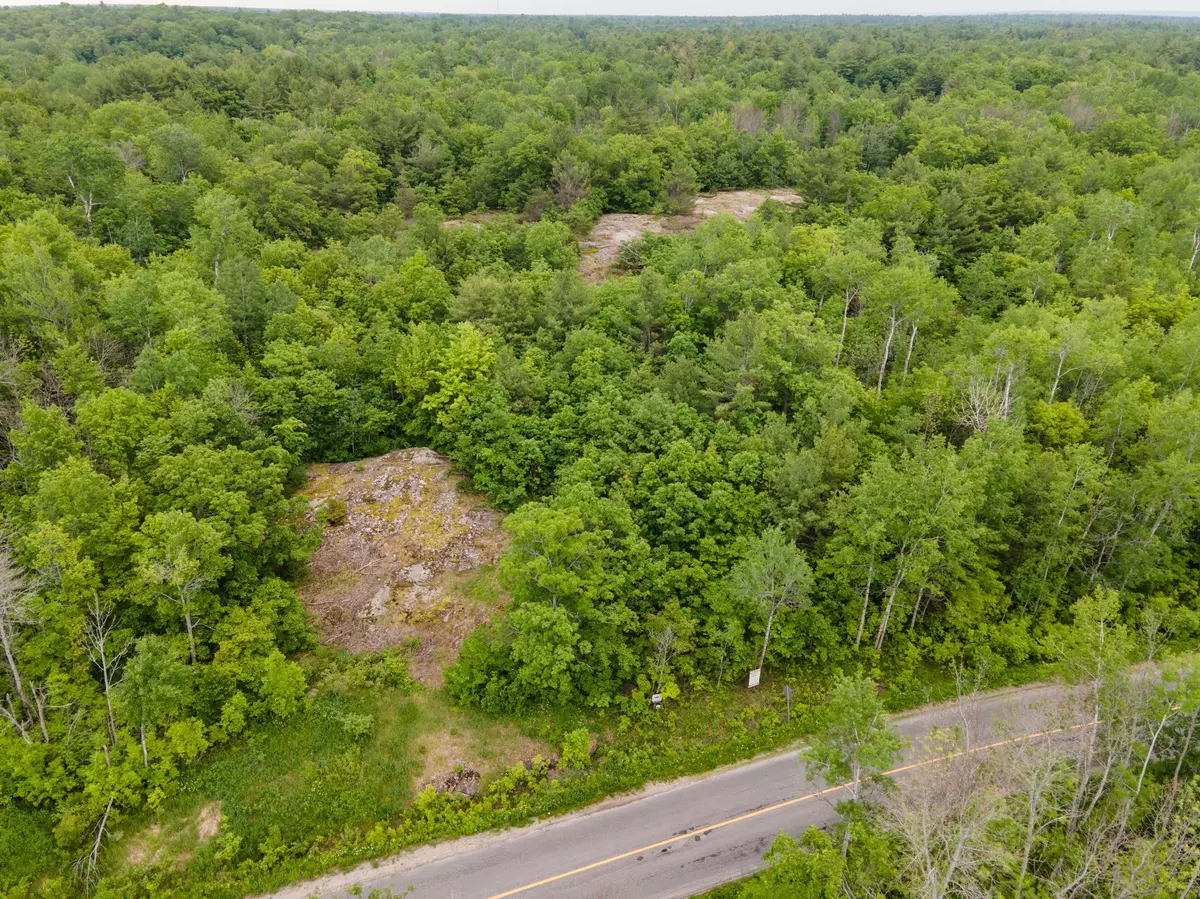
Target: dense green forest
{"points": [[904, 425]]}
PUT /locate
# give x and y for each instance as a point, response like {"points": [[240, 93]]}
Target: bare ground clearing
{"points": [[412, 562], [177, 840], [454, 743], [599, 251], [475, 219]]}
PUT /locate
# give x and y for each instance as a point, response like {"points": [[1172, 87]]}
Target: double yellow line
{"points": [[776, 807]]}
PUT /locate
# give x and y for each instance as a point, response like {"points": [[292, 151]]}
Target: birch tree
{"points": [[86, 171], [854, 744], [902, 299], [17, 593], [156, 688], [105, 648], [179, 560], [773, 575], [941, 814], [1093, 653], [914, 528]]}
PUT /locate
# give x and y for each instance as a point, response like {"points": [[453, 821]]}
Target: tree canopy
{"points": [[913, 420]]}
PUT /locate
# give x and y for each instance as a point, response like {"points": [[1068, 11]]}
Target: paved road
{"points": [[669, 842]]}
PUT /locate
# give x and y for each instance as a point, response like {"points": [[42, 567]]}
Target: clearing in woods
{"points": [[599, 251], [411, 561]]}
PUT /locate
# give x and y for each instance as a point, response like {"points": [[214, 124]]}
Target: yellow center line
{"points": [[776, 807]]}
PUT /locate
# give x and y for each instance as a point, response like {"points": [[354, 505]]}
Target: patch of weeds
{"points": [[483, 586], [333, 512], [27, 847]]}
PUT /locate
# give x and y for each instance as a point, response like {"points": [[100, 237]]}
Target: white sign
{"points": [[656, 699], [754, 675]]}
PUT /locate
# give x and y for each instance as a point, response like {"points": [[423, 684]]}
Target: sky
{"points": [[721, 7]]}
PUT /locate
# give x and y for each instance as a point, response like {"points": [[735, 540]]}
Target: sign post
{"points": [[787, 694], [754, 676]]}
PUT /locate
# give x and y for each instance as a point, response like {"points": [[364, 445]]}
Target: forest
{"points": [[923, 420]]}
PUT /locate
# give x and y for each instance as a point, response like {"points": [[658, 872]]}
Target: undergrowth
{"points": [[332, 787]]}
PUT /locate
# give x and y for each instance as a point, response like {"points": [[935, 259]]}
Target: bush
{"points": [[576, 749], [333, 512]]}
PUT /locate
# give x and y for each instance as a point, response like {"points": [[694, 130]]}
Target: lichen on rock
{"points": [[392, 570]]}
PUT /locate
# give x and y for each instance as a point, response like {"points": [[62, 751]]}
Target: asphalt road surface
{"points": [[669, 842]]}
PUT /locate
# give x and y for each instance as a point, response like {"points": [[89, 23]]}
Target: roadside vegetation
{"points": [[1103, 801], [901, 420]]}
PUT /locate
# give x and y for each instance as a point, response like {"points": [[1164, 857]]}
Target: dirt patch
{"points": [[599, 251], [411, 563], [176, 841], [144, 848], [741, 204], [474, 220], [462, 780], [208, 822]]}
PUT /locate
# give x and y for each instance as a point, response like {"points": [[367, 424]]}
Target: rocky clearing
{"points": [[412, 562], [600, 249]]}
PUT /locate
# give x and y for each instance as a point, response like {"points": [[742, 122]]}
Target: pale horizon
{"points": [[689, 8]]}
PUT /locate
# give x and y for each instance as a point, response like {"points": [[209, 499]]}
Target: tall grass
{"points": [[303, 777]]}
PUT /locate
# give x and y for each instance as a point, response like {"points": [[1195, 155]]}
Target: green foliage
{"points": [[333, 511], [810, 869], [854, 743], [343, 805], [576, 749], [773, 576], [933, 415], [27, 848], [157, 686]]}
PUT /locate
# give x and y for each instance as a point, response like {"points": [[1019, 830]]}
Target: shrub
{"points": [[333, 511], [576, 749]]}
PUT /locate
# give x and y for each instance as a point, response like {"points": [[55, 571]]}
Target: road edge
{"points": [[432, 852]]}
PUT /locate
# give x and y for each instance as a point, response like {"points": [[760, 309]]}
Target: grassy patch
{"points": [[932, 683], [310, 779], [293, 780], [27, 848], [451, 737], [481, 585]]}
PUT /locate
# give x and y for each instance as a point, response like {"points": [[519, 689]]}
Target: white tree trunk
{"points": [[855, 792], [6, 640], [1150, 749], [837, 360], [887, 610], [887, 352], [862, 618], [1062, 358], [767, 636], [39, 706], [912, 342], [187, 620], [112, 720]]}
